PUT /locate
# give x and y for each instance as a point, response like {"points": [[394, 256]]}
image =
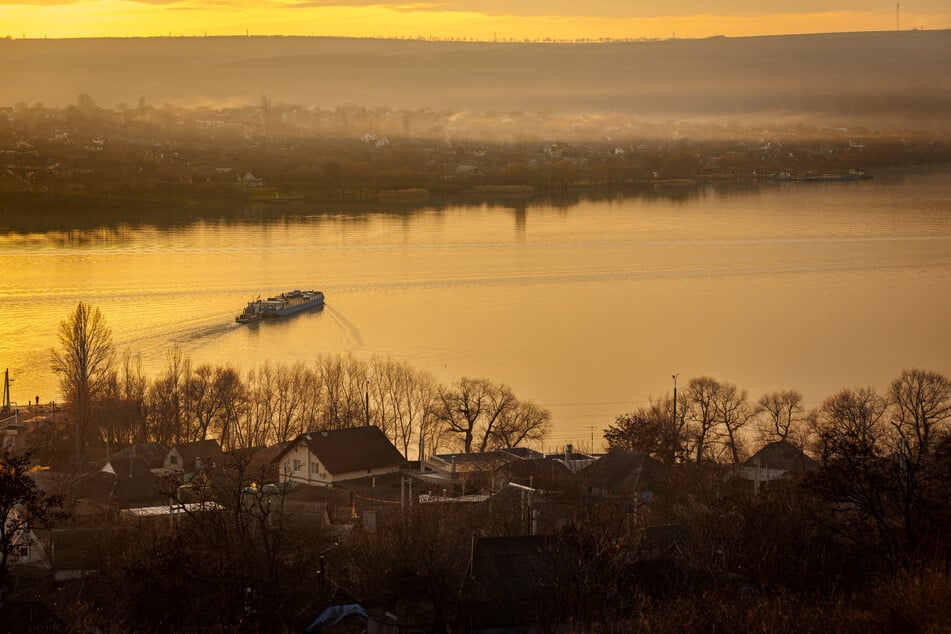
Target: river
{"points": [[586, 309]]}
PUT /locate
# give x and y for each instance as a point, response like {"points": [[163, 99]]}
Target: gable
{"points": [[352, 450]]}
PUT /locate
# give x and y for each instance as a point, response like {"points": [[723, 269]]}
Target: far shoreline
{"points": [[25, 212]]}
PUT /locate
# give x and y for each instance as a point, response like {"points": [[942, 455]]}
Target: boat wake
{"points": [[205, 332], [347, 326]]}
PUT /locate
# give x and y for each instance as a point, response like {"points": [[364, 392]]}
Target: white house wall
{"points": [[177, 465], [312, 471]]}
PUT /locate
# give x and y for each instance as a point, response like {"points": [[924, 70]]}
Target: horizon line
{"points": [[455, 40]]}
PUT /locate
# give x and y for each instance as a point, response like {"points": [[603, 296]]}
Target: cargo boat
{"points": [[280, 306]]}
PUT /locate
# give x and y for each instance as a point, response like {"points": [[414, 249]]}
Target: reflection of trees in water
{"points": [[70, 218]]}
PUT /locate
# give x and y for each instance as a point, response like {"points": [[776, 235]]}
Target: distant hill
{"points": [[902, 76]]}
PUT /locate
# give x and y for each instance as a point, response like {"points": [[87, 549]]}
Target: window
{"points": [[297, 464], [173, 459], [314, 467]]}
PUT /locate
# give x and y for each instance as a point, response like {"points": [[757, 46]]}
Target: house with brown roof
{"points": [[327, 457], [624, 473], [780, 460], [190, 457], [261, 465], [151, 453], [541, 473], [122, 483], [453, 465]]}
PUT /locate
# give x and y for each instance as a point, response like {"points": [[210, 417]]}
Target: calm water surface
{"points": [[587, 310]]}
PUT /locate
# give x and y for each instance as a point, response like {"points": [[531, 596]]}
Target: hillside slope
{"points": [[904, 76]]}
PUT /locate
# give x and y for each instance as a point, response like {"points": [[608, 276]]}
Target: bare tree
{"points": [[311, 397], [921, 409], [168, 416], [522, 422], [344, 382], [254, 428], [381, 377], [410, 394], [654, 429], [733, 412], [208, 394], [854, 474], [884, 465], [120, 420], [84, 364], [783, 417], [701, 413], [291, 388], [853, 419], [234, 410], [471, 409]]}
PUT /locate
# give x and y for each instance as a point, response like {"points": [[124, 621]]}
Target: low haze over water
{"points": [[587, 310]]}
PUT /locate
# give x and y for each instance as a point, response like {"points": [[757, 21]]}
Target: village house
{"points": [[191, 457], [574, 460], [328, 457], [622, 473], [777, 461], [542, 473], [466, 472], [260, 465], [122, 483], [151, 453], [13, 437], [457, 465]]}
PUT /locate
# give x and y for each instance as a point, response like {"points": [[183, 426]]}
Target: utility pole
{"points": [[368, 404], [898, 16], [6, 392], [675, 397]]}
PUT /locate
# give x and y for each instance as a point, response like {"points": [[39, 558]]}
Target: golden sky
{"points": [[466, 19]]}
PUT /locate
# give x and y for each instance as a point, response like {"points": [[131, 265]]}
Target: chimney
{"points": [[569, 449]]}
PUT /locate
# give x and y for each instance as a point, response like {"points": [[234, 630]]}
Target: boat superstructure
{"points": [[280, 306]]}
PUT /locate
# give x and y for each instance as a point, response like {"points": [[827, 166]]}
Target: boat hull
{"points": [[280, 306]]}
